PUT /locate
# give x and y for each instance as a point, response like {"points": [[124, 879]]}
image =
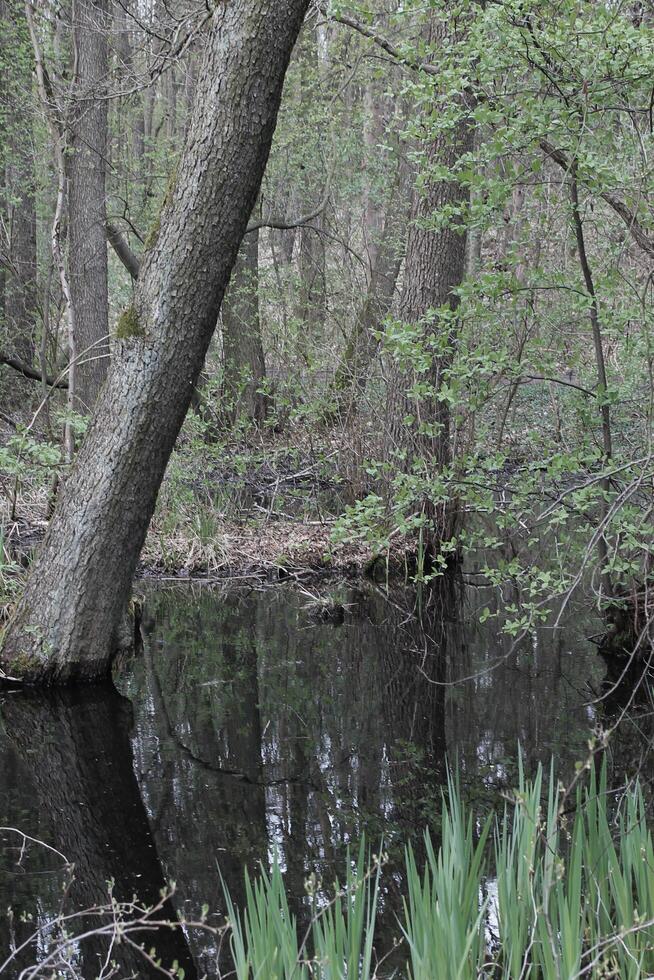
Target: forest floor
{"points": [[263, 507]]}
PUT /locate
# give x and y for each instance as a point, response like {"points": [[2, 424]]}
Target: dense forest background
{"points": [[438, 327]]}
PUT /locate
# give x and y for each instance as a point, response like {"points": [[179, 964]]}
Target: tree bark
{"points": [[86, 166], [21, 299], [243, 359], [65, 626], [435, 267]]}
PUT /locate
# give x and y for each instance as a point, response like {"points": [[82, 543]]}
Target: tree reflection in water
{"points": [[76, 746], [259, 731]]}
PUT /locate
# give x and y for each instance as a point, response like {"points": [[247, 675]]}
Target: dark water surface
{"points": [[250, 727]]}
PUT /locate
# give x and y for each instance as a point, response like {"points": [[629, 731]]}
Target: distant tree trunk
{"points": [[385, 229], [353, 371], [244, 367], [87, 252], [312, 305], [21, 299], [66, 625], [435, 267]]}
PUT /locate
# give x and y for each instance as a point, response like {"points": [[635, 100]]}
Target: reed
{"points": [[559, 885]]}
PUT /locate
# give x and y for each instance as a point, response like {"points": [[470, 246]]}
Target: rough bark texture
{"points": [[21, 298], [435, 266], [65, 625], [86, 165], [243, 360]]}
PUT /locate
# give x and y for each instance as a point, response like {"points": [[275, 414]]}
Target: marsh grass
{"points": [[558, 886]]}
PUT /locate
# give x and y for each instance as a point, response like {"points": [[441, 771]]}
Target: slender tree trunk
{"points": [[66, 625], [244, 367], [86, 167], [385, 230], [21, 298], [312, 305], [353, 371]]}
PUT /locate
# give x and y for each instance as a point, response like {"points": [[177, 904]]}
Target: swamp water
{"points": [[249, 727]]}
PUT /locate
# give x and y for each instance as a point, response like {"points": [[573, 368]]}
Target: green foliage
{"points": [[559, 896]]}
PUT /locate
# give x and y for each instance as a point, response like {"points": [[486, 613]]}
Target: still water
{"points": [[251, 726]]}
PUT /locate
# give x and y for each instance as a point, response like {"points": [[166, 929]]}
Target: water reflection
{"points": [[75, 747], [260, 729]]}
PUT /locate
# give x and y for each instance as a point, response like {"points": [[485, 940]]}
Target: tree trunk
{"points": [[312, 299], [385, 229], [66, 624], [435, 266], [243, 361], [353, 371], [87, 252], [21, 298]]}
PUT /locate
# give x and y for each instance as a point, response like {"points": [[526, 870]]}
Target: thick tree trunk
{"points": [[243, 360], [65, 626], [87, 164]]}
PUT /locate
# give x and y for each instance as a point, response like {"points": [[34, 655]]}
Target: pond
{"points": [[262, 724]]}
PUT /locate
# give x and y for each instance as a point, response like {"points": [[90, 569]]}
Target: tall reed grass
{"points": [[558, 886]]}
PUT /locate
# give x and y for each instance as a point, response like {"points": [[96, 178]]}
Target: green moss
{"points": [[129, 324], [22, 664], [152, 236]]}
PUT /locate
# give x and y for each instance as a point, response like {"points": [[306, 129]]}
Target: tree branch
{"points": [[29, 372], [636, 230], [282, 224], [121, 247]]}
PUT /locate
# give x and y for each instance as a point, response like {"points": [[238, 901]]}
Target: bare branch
{"points": [[29, 372], [121, 247], [282, 224], [636, 230]]}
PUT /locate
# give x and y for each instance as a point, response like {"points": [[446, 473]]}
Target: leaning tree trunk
{"points": [[66, 625], [87, 164]]}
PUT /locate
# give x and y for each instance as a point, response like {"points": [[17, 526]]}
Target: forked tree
{"points": [[67, 624]]}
